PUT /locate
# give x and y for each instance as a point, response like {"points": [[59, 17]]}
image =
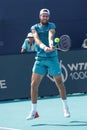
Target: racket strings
{"points": [[64, 43]]}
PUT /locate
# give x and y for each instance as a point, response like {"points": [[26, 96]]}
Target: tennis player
{"points": [[46, 62]]}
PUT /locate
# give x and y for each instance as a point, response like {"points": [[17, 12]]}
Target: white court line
{"points": [[5, 128]]}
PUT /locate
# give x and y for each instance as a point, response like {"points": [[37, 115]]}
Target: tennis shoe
{"points": [[32, 115], [66, 112]]}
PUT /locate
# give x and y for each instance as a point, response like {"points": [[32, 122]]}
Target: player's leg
{"points": [[35, 81], [39, 71], [55, 71], [62, 91], [60, 85]]}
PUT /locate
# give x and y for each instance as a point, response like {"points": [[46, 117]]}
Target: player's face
{"points": [[44, 18]]}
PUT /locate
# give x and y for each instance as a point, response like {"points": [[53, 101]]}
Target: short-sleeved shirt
{"points": [[27, 46], [43, 32]]}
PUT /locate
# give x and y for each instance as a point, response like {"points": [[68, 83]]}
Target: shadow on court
{"points": [[72, 123]]}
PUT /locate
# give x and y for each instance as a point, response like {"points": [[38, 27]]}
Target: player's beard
{"points": [[44, 23]]}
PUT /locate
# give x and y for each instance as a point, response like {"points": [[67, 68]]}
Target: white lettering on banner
{"points": [[78, 75], [3, 84], [77, 66], [76, 71]]}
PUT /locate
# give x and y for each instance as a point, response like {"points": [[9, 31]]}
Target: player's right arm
{"points": [[40, 43]]}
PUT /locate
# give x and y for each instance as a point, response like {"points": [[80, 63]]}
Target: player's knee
{"points": [[33, 83], [60, 82]]}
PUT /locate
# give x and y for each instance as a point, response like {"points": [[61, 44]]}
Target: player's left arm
{"points": [[51, 36]]}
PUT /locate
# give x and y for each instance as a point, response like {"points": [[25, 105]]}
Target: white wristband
{"points": [[51, 43], [42, 46]]}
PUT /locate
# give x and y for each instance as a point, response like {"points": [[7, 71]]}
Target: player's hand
{"points": [[49, 49]]}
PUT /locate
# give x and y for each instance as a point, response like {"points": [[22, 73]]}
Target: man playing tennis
{"points": [[46, 62]]}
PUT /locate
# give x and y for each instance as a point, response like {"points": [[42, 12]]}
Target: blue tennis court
{"points": [[13, 114]]}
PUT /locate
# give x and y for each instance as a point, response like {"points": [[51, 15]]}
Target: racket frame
{"points": [[60, 42]]}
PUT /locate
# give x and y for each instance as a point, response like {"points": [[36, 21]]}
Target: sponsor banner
{"points": [[16, 70], [74, 67]]}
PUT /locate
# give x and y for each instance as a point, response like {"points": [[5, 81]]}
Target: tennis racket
{"points": [[64, 43]]}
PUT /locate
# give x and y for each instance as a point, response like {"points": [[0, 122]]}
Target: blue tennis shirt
{"points": [[43, 32]]}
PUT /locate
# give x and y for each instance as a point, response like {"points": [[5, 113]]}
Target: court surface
{"points": [[13, 114]]}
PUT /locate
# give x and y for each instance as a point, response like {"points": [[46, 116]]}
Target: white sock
{"points": [[64, 103], [34, 106]]}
